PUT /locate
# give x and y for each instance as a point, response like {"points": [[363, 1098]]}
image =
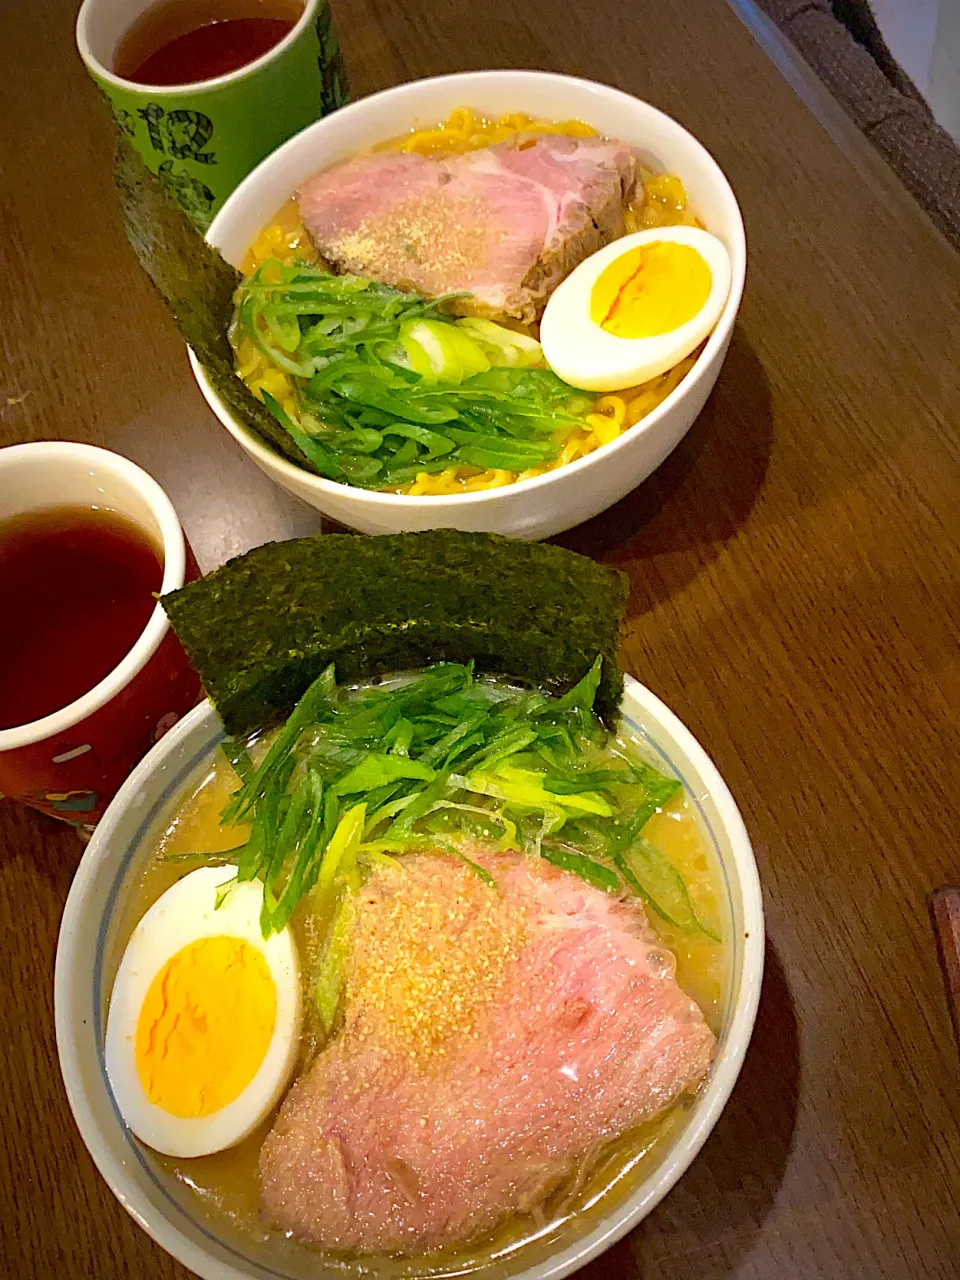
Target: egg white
{"points": [[184, 914], [584, 354]]}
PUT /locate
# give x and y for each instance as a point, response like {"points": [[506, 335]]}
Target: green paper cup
{"points": [[202, 139]]}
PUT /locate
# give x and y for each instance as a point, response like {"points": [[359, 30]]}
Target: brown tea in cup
{"points": [[189, 41]]}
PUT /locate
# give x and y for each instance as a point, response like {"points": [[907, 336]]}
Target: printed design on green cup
{"points": [[334, 89], [193, 196], [181, 134], [126, 121]]}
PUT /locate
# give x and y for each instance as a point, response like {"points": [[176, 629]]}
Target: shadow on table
{"points": [[704, 491], [53, 849], [733, 1183]]}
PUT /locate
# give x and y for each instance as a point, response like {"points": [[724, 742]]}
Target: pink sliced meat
{"points": [[587, 1035], [503, 224], [367, 187]]}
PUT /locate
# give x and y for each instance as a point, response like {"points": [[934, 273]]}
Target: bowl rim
{"points": [[97, 1137], [715, 345]]}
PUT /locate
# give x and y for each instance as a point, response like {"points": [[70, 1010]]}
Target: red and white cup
{"points": [[70, 763]]}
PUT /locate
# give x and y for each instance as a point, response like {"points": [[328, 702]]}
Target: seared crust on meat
{"points": [[600, 220]]}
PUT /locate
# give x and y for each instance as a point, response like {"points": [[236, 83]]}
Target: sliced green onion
{"points": [[594, 873], [502, 345], [331, 978]]}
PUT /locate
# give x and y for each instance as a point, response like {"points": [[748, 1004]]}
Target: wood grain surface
{"points": [[945, 916], [796, 600]]}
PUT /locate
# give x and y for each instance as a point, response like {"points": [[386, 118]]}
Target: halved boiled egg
{"points": [[635, 308], [203, 1029]]}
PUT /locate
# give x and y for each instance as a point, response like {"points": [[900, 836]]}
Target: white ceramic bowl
{"points": [[546, 505], [97, 922]]}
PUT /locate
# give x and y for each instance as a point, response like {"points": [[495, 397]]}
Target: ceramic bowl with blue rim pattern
{"points": [[96, 925]]}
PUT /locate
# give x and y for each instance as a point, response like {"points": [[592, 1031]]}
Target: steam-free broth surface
{"points": [[228, 1183]]}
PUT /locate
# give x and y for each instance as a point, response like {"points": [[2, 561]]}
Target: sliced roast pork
{"points": [[492, 1037], [503, 224]]}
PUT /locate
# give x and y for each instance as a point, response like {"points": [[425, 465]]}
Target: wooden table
{"points": [[796, 580]]}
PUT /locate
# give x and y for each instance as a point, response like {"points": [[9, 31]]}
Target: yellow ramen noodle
{"points": [[661, 201]]}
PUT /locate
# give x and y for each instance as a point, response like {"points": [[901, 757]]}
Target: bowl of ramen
{"points": [[487, 301], [441, 971]]}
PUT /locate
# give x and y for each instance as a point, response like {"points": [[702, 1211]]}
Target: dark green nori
{"points": [[261, 628], [198, 286]]}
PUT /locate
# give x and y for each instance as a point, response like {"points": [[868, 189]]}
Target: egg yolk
{"points": [[205, 1026], [651, 289]]}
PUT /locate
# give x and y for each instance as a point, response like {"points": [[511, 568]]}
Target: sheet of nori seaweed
{"points": [[197, 284], [262, 627]]}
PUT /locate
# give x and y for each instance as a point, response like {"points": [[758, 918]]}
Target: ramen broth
{"points": [[227, 1183]]}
